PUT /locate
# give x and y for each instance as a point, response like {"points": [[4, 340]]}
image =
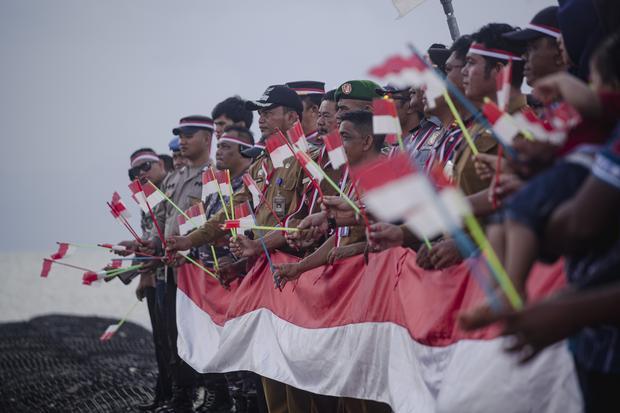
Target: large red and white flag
{"points": [[145, 195], [244, 219], [386, 328], [278, 149], [109, 332], [503, 81], [411, 71], [119, 206], [297, 137], [197, 218], [503, 124], [253, 188], [209, 183], [335, 149], [64, 250]]}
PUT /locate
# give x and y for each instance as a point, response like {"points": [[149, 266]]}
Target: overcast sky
{"points": [[85, 82]]}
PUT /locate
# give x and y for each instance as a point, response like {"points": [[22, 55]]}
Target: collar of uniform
{"points": [[431, 119]]}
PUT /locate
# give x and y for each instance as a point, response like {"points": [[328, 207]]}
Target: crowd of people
{"points": [[538, 201]]}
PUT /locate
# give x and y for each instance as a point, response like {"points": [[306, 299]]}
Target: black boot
{"points": [[181, 401], [217, 400]]}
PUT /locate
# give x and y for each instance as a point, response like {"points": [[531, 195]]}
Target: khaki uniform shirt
{"points": [[266, 178], [465, 175], [184, 188]]}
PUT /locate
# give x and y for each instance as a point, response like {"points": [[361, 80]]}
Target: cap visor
{"points": [[256, 105], [523, 35], [252, 152]]}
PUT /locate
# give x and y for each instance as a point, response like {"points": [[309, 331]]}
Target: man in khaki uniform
{"points": [[278, 108]]}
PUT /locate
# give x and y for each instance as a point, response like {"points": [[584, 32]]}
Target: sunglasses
{"points": [[135, 171]]}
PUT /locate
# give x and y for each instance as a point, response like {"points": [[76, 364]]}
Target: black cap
{"points": [[307, 87], [276, 95], [545, 23], [390, 89], [439, 54]]}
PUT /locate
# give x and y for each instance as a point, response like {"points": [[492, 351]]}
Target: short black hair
{"points": [[460, 47], [289, 109], [142, 150], [362, 121], [313, 99], [329, 96], [234, 109], [245, 134], [606, 60], [491, 37], [167, 160]]}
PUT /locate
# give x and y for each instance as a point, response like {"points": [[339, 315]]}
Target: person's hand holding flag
{"points": [[244, 247], [177, 243], [384, 235]]}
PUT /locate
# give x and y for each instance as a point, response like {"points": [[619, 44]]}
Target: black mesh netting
{"points": [[57, 364]]}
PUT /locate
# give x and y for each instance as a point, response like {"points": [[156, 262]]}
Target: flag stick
{"points": [[190, 259], [137, 258], [170, 201], [333, 184], [78, 245], [230, 199], [217, 264], [75, 267], [122, 321], [143, 254], [159, 231], [125, 224], [294, 148], [500, 273], [459, 121]]}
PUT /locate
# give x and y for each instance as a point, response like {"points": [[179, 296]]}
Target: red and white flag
{"points": [[311, 168], [335, 149], [385, 118], [563, 116], [503, 81], [411, 71], [119, 206], [244, 219], [503, 124], [223, 180], [64, 250], [46, 268], [197, 218], [145, 195], [114, 247], [209, 183], [253, 188], [109, 332], [278, 149], [392, 187], [540, 129], [297, 137], [90, 277]]}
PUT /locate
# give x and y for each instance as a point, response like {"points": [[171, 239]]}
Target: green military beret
{"points": [[358, 89]]}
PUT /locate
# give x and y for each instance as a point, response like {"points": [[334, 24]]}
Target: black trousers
{"points": [[182, 374], [601, 392], [163, 388]]}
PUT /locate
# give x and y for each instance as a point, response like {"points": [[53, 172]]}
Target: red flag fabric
{"points": [[503, 81], [278, 149], [503, 124], [209, 183], [109, 332], [335, 149], [47, 267], [223, 181], [253, 188], [144, 194], [297, 137], [119, 206], [64, 250]]}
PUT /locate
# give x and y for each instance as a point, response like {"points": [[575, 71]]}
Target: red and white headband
{"points": [[144, 157], [478, 48], [548, 30], [232, 139]]}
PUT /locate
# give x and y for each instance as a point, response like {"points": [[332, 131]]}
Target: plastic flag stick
{"points": [[190, 259], [217, 264], [170, 201], [459, 121]]}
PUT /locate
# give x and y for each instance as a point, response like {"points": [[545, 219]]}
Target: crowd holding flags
{"points": [[381, 295]]}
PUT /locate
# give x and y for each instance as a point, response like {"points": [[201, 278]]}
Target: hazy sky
{"points": [[85, 82]]}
